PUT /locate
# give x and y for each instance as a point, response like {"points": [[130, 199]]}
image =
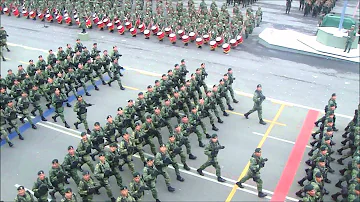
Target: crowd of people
{"points": [[321, 157]]}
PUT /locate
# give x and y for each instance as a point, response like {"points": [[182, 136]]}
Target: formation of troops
{"points": [[187, 99], [321, 158], [214, 26]]}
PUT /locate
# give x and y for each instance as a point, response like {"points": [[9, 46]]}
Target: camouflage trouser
{"points": [[116, 77], [60, 112], [194, 97], [26, 114], [82, 120], [107, 70], [216, 112], [90, 78], [128, 161], [99, 148], [74, 175], [1, 52], [258, 109], [59, 188], [165, 174], [117, 175], [182, 159], [226, 96], [256, 178], [152, 185], [208, 114], [149, 142], [71, 88], [37, 107], [141, 115], [212, 162], [185, 141], [175, 165], [231, 90], [83, 84], [105, 183], [348, 46], [221, 104], [4, 134], [139, 150], [193, 130], [13, 124], [86, 160], [163, 124], [99, 74]]}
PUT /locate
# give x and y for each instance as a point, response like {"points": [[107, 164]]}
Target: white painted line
{"points": [[47, 125], [282, 140], [31, 192]]}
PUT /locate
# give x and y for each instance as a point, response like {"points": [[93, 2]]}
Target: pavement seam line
{"points": [[63, 130], [235, 187], [289, 104]]}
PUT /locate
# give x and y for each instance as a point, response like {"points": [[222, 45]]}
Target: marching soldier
{"points": [[174, 149], [127, 149], [3, 38], [11, 114], [137, 187], [150, 174], [57, 179], [106, 60], [189, 128], [195, 120], [115, 70], [150, 129], [256, 163], [141, 138], [168, 112], [23, 104], [258, 98], [16, 90], [21, 73], [87, 187], [96, 66], [212, 150], [102, 173], [35, 96], [81, 77], [140, 107], [110, 130], [162, 160], [97, 138], [318, 185], [119, 120], [113, 158], [51, 58], [41, 63], [58, 99], [310, 194], [10, 79], [71, 164], [41, 187], [84, 151], [94, 51], [78, 46], [125, 195], [81, 112], [69, 196], [115, 53], [229, 79], [159, 121], [24, 195], [3, 133]]}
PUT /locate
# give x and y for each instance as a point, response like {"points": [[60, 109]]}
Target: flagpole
{"points": [[342, 15]]}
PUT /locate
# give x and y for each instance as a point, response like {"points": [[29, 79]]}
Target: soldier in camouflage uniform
{"points": [[110, 130], [81, 112], [127, 149], [310, 194], [102, 173], [212, 150], [258, 98], [141, 138], [69, 196], [41, 187], [24, 195], [159, 120], [137, 187], [115, 69], [3, 133], [113, 158], [150, 129], [87, 187], [106, 60], [57, 179], [97, 138], [125, 195], [174, 149], [210, 104], [23, 104], [217, 97], [229, 80], [140, 107], [57, 101], [119, 120], [10, 79], [162, 160], [150, 174], [84, 151], [71, 164], [256, 163], [11, 115]]}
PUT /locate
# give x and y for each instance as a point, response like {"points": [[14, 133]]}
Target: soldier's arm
{"points": [[97, 173], [146, 175], [158, 160], [76, 107], [80, 149], [133, 191], [52, 175], [66, 163], [253, 165], [81, 188], [48, 182], [35, 187], [255, 98], [123, 150]]}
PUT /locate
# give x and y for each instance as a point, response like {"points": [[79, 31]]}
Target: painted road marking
{"points": [[295, 157], [233, 191], [63, 129], [276, 101], [31, 192], [266, 120], [279, 139]]}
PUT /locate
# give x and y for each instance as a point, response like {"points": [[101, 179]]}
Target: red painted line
{"points": [[295, 157]]}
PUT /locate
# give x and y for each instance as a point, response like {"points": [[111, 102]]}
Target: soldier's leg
{"points": [[185, 109], [119, 82], [99, 74], [107, 187], [117, 176], [61, 189], [61, 114], [169, 127], [166, 176], [217, 167], [89, 163], [203, 127], [4, 135], [206, 164], [188, 146], [198, 134], [232, 93], [227, 99], [182, 158], [175, 166], [259, 110], [152, 186], [151, 144], [84, 121], [141, 153], [130, 164], [259, 183], [246, 177], [15, 126], [74, 175]]}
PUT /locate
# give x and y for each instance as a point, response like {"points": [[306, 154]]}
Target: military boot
{"points": [[220, 179], [43, 118], [87, 94], [327, 181], [207, 136], [92, 157], [3, 58], [103, 82], [342, 171], [335, 196], [121, 168], [246, 115], [21, 137], [54, 118], [239, 184], [113, 199], [192, 157], [22, 120], [317, 123], [314, 135], [76, 124], [335, 129], [171, 189], [186, 167], [339, 151], [48, 105], [33, 126], [201, 144], [33, 112], [301, 182], [200, 172], [262, 122], [10, 144], [68, 104], [88, 131], [179, 178], [213, 128], [225, 113], [261, 195], [344, 142], [52, 194], [8, 50], [157, 200], [299, 193], [230, 108], [340, 161], [96, 88], [344, 135], [219, 120], [338, 184], [235, 101], [122, 88], [66, 125]]}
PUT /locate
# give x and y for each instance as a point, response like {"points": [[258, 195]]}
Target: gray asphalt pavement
{"points": [[285, 76]]}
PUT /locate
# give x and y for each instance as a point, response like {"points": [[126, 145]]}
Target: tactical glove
{"points": [[177, 150], [167, 161], [91, 191], [74, 164], [88, 150], [107, 173], [222, 147]]}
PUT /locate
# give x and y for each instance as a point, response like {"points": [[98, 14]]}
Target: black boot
{"points": [[66, 125], [43, 118], [103, 82], [179, 178], [214, 128], [186, 167], [48, 105], [113, 199], [87, 94], [335, 196], [68, 104], [33, 113], [52, 194], [340, 161], [246, 115], [219, 120], [22, 120], [96, 88], [230, 108], [262, 122], [21, 137], [3, 59], [225, 113], [335, 129], [239, 185], [122, 88], [157, 200], [311, 152], [10, 144], [342, 171], [92, 156], [344, 142], [54, 118], [192, 157], [33, 126], [327, 181], [201, 144], [200, 172], [109, 83], [317, 123], [338, 184], [301, 182], [76, 124], [314, 135], [261, 195], [235, 101], [344, 135], [220, 179], [88, 131], [299, 193], [121, 168], [66, 181], [340, 151], [207, 136]]}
